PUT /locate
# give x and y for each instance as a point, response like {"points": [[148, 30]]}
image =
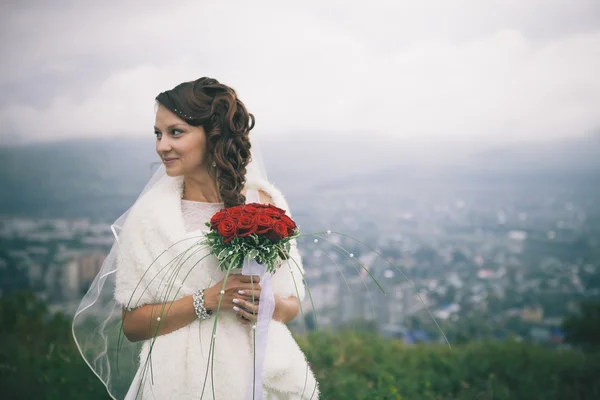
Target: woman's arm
{"points": [[286, 309], [141, 323]]}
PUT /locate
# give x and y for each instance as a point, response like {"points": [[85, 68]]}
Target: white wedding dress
{"points": [[179, 364]]}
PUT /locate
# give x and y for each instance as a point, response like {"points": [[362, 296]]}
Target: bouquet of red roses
{"points": [[251, 231]]}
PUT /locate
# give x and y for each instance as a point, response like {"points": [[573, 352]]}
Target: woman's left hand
{"points": [[285, 309], [246, 311]]}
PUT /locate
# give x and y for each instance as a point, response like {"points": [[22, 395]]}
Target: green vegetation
{"points": [[584, 327], [38, 359], [351, 366]]}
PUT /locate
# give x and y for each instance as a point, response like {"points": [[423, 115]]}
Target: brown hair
{"points": [[214, 106]]}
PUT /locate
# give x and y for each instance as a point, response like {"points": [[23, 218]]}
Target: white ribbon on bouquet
{"points": [[260, 335]]}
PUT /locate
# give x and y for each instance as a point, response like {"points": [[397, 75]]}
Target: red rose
{"points": [[246, 225], [279, 210], [258, 205], [273, 212], [250, 208], [289, 223], [260, 211], [236, 212], [255, 208], [227, 228], [263, 223], [218, 217], [279, 231]]}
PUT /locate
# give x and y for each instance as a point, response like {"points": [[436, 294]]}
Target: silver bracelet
{"points": [[199, 307]]}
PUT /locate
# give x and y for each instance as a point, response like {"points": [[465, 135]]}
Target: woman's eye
{"points": [[158, 134], [176, 132]]}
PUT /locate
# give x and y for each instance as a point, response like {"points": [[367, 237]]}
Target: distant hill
{"points": [[100, 178], [577, 154], [574, 161]]}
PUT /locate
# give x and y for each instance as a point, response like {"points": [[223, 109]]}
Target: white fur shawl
{"points": [[154, 224]]}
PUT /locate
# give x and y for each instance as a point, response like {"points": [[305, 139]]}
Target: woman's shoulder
{"points": [[268, 192], [143, 213]]}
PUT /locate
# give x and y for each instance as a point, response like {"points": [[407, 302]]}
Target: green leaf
{"points": [[223, 253], [252, 253]]}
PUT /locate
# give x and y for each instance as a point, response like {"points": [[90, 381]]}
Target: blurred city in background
{"points": [[494, 244]]}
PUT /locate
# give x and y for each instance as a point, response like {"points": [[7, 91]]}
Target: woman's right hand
{"points": [[248, 284]]}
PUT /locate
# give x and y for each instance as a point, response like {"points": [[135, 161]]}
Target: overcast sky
{"points": [[421, 69]]}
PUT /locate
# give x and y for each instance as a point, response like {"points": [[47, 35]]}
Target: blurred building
{"points": [[79, 273], [532, 314]]}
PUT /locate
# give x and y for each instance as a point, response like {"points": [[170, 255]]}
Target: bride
{"points": [[165, 309]]}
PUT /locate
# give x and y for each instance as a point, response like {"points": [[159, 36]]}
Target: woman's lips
{"points": [[168, 161]]}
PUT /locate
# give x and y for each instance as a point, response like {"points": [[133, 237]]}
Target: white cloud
{"points": [[402, 69]]}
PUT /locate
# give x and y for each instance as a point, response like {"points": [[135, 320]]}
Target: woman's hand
{"points": [[246, 311], [241, 288], [286, 309]]}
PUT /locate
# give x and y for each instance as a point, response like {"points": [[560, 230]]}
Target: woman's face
{"points": [[181, 147]]}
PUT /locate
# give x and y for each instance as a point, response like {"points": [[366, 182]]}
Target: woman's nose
{"points": [[163, 145]]}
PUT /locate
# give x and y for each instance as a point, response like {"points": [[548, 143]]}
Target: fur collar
{"points": [[155, 223]]}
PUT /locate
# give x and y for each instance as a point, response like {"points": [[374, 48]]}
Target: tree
{"points": [[583, 328], [38, 356]]}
